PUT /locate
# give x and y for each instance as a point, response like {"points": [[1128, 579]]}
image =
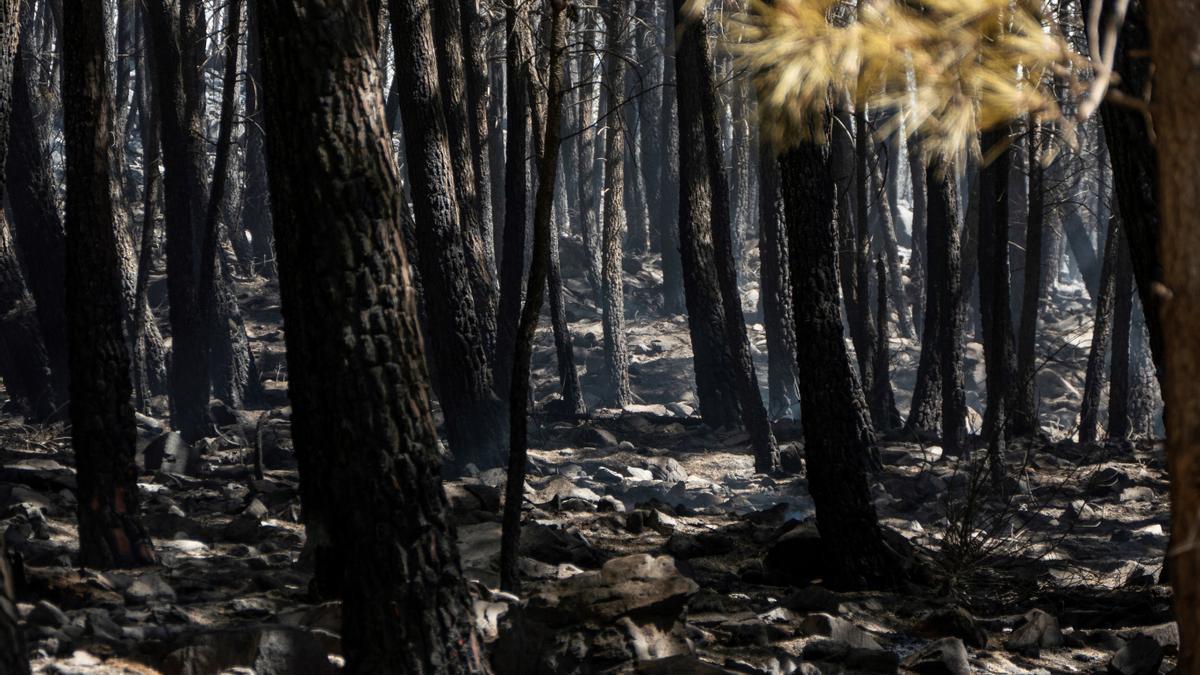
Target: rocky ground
{"points": [[650, 544]]}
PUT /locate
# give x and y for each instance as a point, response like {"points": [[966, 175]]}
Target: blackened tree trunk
{"points": [[616, 390], [945, 223], [862, 323], [475, 425], [475, 50], [364, 429], [36, 227], [516, 187], [1024, 408], [539, 269], [1093, 386], [180, 94], [102, 428], [883, 398], [882, 187], [698, 98], [24, 365], [994, 302], [925, 414], [838, 438], [1119, 381], [775, 284]]}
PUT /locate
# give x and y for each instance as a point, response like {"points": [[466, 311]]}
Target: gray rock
{"points": [[1038, 630], [1140, 656], [169, 453], [590, 437], [838, 630], [629, 611], [951, 622], [607, 476], [45, 613], [1165, 634], [947, 656], [148, 588]]}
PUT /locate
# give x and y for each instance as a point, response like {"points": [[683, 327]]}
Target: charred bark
{"points": [[1089, 413], [775, 284], [616, 391], [102, 427], [1119, 383], [1024, 407]]}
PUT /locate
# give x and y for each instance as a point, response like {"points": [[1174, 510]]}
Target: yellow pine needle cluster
{"points": [[953, 67]]}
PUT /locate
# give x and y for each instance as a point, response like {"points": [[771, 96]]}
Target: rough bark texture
{"points": [[1089, 412], [102, 427], [1175, 30], [615, 389], [944, 263], [883, 398], [364, 429], [697, 96], [838, 438], [256, 198], [918, 269], [475, 425], [674, 300], [925, 414], [775, 285]]}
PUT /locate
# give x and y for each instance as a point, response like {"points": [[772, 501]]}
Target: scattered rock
{"points": [[1038, 630], [952, 622], [1140, 656], [947, 656], [267, 650], [838, 630]]}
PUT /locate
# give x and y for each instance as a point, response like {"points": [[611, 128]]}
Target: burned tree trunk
{"points": [[102, 428], [944, 226], [883, 399], [701, 157], [475, 425], [838, 438], [256, 198], [994, 301], [1089, 412], [674, 300], [918, 267], [357, 379]]}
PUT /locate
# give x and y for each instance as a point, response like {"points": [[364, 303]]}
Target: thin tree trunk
{"points": [[1025, 413], [883, 398], [616, 354], [672, 263], [993, 265], [539, 269], [1119, 380], [775, 284], [256, 198], [1089, 413], [944, 226]]}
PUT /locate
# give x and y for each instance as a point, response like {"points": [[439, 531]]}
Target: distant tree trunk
{"points": [[1119, 379], [475, 424], [775, 285], [849, 212], [1025, 414], [1089, 412], [13, 658], [944, 226], [1175, 32], [102, 428], [838, 439], [592, 159], [36, 228], [925, 414], [883, 399], [697, 98], [516, 188], [616, 354], [24, 365], [256, 198], [862, 326], [539, 269], [357, 381], [673, 271], [1081, 247], [992, 257]]}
